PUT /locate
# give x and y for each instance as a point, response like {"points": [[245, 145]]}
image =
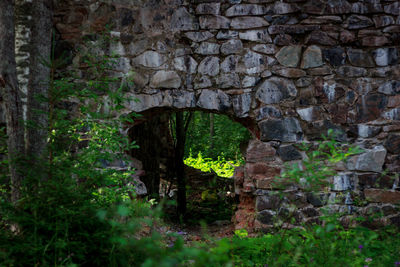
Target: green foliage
{"points": [[226, 140], [313, 172], [221, 166], [328, 245]]}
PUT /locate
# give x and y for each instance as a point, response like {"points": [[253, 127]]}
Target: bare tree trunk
{"points": [[12, 98], [38, 89], [179, 165]]}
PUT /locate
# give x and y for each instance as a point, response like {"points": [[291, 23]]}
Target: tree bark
{"points": [[39, 82], [12, 98], [179, 164]]}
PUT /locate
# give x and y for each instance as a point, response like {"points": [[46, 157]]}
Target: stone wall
{"points": [[288, 70]]}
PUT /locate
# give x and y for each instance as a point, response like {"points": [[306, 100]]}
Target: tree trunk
{"points": [[179, 165], [38, 89], [212, 132], [12, 98]]}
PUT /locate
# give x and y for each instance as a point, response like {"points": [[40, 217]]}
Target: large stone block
{"points": [[260, 35], [382, 196], [150, 59], [182, 20], [165, 79], [274, 90], [286, 130], [312, 57], [214, 100], [289, 56], [371, 160], [241, 105], [245, 10], [209, 66], [207, 48], [259, 151], [210, 22], [243, 23]]}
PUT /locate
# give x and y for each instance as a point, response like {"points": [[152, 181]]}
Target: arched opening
{"points": [[211, 145]]}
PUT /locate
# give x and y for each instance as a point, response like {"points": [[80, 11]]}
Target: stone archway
{"points": [[295, 69]]}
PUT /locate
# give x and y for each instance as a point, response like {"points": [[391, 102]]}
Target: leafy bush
{"points": [[221, 166]]}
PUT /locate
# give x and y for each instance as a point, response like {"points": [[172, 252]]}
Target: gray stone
{"points": [[266, 74], [209, 66], [226, 35], [290, 72], [122, 64], [390, 87], [214, 100], [317, 200], [241, 105], [255, 63], [274, 90], [208, 9], [245, 10], [309, 114], [289, 56], [268, 112], [228, 80], [142, 102], [349, 71], [371, 160], [207, 48], [289, 153], [286, 130], [268, 49], [186, 64], [312, 57], [393, 8], [150, 59], [182, 20], [360, 58], [338, 7], [248, 23], [249, 81], [386, 56], [303, 82], [260, 35], [393, 114], [355, 22], [284, 8], [367, 131], [165, 79], [266, 217], [382, 21], [336, 56], [179, 99], [231, 47], [202, 82], [137, 47], [139, 187], [343, 182], [199, 36], [269, 202], [363, 85], [214, 22], [230, 64]]}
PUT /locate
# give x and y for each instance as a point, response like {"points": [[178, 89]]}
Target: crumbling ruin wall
{"points": [[291, 68]]}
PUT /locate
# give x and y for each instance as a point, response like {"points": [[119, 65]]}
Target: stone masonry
{"points": [[288, 70]]}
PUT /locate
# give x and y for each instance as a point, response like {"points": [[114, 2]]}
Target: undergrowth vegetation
{"points": [[221, 166]]}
